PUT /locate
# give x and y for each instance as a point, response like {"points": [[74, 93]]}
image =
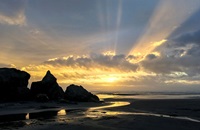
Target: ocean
{"points": [[148, 95]]}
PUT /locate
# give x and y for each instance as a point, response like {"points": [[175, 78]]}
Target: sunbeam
{"points": [[108, 24], [109, 15], [167, 16], [118, 22], [104, 44], [105, 17]]}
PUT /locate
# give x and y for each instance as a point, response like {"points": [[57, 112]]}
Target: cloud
{"points": [[188, 45], [151, 56], [180, 54], [118, 62], [180, 61], [160, 65], [117, 72], [2, 65], [188, 38], [12, 12], [97, 70]]}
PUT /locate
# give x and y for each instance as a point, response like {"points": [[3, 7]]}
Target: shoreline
{"points": [[113, 114]]}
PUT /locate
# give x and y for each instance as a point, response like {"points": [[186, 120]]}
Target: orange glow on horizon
{"points": [[109, 78]]}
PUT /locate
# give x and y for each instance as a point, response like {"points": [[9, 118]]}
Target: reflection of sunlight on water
{"points": [[149, 96], [62, 112], [61, 116], [118, 104], [105, 96], [100, 113], [27, 116], [113, 104], [106, 113], [113, 113], [28, 122], [97, 114]]}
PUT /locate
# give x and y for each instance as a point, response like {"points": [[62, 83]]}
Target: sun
{"points": [[111, 79]]}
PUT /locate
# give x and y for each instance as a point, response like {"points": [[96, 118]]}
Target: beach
{"points": [[117, 112], [100, 65]]}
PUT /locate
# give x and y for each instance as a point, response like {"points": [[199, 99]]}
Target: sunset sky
{"points": [[105, 45]]}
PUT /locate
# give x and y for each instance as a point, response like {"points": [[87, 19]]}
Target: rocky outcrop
{"points": [[78, 93], [13, 84], [13, 87], [48, 86]]}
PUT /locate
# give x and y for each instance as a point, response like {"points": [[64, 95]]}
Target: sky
{"points": [[105, 45]]}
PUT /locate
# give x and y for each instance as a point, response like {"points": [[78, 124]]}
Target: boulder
{"points": [[47, 86], [13, 84], [78, 93]]}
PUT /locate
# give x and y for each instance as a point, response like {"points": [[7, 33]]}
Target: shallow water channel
{"points": [[81, 112]]}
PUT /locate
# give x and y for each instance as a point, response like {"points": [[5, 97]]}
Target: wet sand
{"points": [[115, 114]]}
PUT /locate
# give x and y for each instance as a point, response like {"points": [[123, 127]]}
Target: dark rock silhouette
{"points": [[42, 98], [78, 93], [13, 84], [48, 86], [13, 87]]}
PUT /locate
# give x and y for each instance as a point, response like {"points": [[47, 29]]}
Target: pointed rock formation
{"points": [[49, 78], [13, 84], [48, 86], [78, 93]]}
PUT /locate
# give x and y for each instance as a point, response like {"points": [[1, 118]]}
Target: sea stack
{"points": [[47, 86], [13, 84], [78, 93]]}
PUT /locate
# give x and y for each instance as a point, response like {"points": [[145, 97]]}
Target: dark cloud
{"points": [[151, 56], [96, 60], [188, 38], [192, 23], [194, 51], [181, 54], [163, 65]]}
